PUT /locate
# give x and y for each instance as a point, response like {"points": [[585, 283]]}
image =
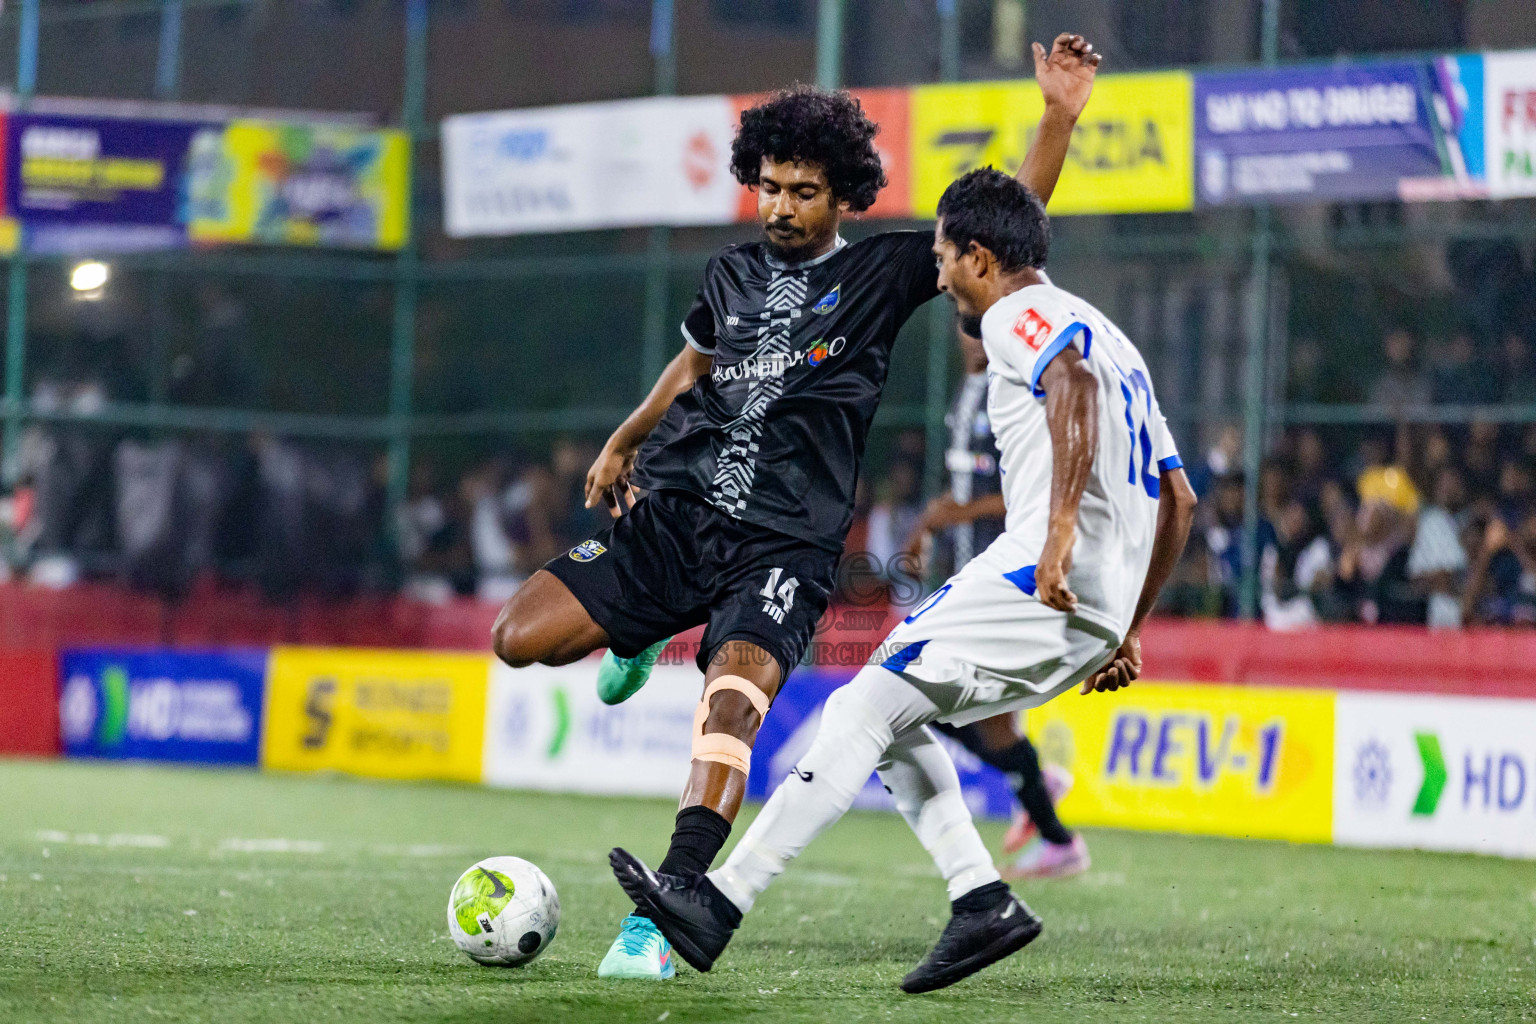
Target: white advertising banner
{"points": [[1435, 773], [546, 729], [1509, 112], [662, 160]]}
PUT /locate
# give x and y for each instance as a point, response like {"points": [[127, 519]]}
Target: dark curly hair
{"points": [[811, 126], [997, 212]]}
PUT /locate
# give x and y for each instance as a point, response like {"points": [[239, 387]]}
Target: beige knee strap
{"points": [[720, 747]]}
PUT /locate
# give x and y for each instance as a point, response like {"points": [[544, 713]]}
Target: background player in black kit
{"points": [[751, 480]]}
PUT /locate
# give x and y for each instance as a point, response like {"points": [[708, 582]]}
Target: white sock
{"points": [[850, 742], [921, 777]]}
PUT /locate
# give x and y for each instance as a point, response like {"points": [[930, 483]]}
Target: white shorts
{"points": [[982, 644]]}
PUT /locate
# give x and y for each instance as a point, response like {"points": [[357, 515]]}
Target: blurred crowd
{"points": [[1421, 523]]}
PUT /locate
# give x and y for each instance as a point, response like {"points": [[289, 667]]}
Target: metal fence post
{"points": [[1253, 377], [16, 292], [949, 41], [829, 44], [402, 352], [658, 249]]}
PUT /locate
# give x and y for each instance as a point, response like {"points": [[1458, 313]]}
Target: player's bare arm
{"points": [[608, 479], [1072, 411], [1175, 514], [1065, 76]]}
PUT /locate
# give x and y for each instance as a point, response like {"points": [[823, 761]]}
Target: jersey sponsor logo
{"points": [[1032, 328], [587, 550], [772, 365], [828, 302]]}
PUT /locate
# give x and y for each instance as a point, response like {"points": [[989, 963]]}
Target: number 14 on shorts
{"points": [[780, 595]]}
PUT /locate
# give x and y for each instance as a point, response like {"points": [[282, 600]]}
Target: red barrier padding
{"points": [[1405, 659], [1480, 662], [29, 702]]}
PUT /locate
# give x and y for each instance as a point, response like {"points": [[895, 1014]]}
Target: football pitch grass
{"points": [[137, 893]]}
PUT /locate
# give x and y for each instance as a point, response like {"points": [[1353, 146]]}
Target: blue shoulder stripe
{"points": [[1055, 348]]}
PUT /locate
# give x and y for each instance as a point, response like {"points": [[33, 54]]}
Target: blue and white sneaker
{"points": [[640, 951]]}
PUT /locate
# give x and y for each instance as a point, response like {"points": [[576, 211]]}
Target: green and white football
{"points": [[503, 912]]}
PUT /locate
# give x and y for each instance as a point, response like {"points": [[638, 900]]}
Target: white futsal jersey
{"points": [[984, 642], [1117, 519]]}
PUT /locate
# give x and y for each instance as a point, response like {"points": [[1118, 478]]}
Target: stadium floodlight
{"points": [[89, 276]]}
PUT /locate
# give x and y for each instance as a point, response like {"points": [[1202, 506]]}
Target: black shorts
{"points": [[673, 562]]}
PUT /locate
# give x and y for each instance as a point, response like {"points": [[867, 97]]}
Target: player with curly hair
{"points": [[749, 481]]}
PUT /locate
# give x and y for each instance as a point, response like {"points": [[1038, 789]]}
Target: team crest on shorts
{"points": [[586, 551]]}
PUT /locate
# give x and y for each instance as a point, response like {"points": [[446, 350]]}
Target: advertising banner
{"points": [[787, 732], [386, 714], [546, 729], [1509, 118], [162, 705], [1305, 134], [97, 182], [662, 160], [300, 184], [890, 109], [1131, 151], [1220, 760], [1436, 773]]}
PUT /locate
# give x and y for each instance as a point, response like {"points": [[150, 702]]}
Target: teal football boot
{"points": [[621, 678], [640, 951]]}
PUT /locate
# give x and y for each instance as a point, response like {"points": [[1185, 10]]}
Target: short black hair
{"points": [[812, 126], [997, 212]]}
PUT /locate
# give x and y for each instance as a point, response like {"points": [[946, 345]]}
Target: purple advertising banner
{"points": [[1288, 135], [96, 177]]}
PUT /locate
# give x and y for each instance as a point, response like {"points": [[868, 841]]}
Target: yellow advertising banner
{"points": [[386, 714], [1132, 150], [300, 184], [1221, 760]]}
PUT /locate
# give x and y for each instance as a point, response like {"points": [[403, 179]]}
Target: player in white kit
{"points": [[1098, 510]]}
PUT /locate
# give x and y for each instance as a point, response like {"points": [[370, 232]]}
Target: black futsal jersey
{"points": [[774, 433]]}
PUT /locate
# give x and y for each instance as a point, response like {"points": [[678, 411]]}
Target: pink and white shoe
{"points": [[1050, 860], [1058, 783]]}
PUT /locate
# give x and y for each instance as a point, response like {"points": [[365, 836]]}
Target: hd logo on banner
{"points": [[386, 714], [1437, 773], [163, 705], [546, 729], [1221, 760]]}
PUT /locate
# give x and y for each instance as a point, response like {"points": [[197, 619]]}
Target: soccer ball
{"points": [[503, 912]]}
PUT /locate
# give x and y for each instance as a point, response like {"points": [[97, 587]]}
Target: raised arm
{"points": [[1072, 414], [1065, 76], [608, 479], [1175, 514]]}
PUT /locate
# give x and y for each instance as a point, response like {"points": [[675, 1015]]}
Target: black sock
{"points": [[983, 898], [697, 837], [1023, 767]]}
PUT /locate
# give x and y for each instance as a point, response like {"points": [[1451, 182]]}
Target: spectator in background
{"points": [[1223, 536], [1458, 380], [497, 574], [1373, 568], [1517, 492], [1518, 371], [1312, 468], [1436, 560], [1501, 584], [1306, 382], [1480, 459], [1296, 568], [896, 513], [1402, 383], [1221, 459]]}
